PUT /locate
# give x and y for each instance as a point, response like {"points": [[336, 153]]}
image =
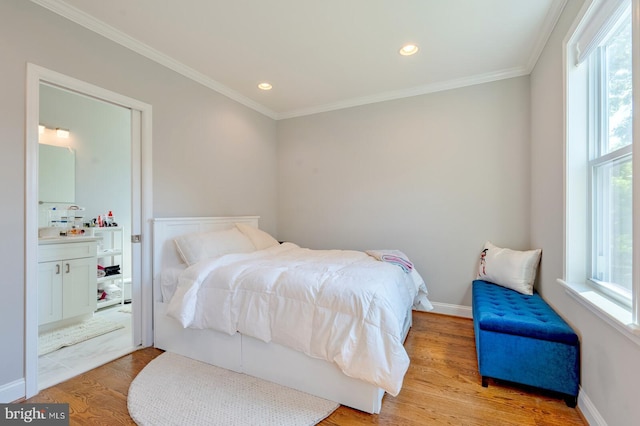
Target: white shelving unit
{"points": [[110, 253]]}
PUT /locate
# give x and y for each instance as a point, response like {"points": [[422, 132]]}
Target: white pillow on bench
{"points": [[512, 269]]}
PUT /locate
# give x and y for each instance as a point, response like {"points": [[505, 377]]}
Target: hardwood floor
{"points": [[442, 387]]}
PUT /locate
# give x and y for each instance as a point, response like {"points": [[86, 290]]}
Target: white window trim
{"points": [[613, 314], [621, 318]]}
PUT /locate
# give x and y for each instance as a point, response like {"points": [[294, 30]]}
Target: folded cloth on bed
{"points": [[342, 306], [395, 257]]}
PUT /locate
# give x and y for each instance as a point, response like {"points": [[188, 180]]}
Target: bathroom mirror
{"points": [[56, 174]]}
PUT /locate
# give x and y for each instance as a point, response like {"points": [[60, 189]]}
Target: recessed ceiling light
{"points": [[265, 86], [408, 50]]}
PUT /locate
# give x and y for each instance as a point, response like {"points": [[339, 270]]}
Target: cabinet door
{"points": [[79, 287], [49, 292]]}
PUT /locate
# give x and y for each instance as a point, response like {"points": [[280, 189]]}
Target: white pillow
{"points": [[202, 245], [509, 268], [259, 238]]}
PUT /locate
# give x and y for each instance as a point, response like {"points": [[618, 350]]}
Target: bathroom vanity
{"points": [[67, 284]]}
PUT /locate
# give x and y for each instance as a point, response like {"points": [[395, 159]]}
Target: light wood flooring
{"points": [[442, 387]]}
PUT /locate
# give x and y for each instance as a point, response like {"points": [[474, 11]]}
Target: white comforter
{"points": [[341, 306]]}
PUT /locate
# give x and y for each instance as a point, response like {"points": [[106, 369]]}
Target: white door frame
{"points": [[142, 289]]}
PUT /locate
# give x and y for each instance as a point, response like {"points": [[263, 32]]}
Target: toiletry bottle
{"points": [[52, 217]]}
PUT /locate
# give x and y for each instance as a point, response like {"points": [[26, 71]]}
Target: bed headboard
{"points": [[165, 230]]}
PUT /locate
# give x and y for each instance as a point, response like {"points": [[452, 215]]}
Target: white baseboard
{"points": [[12, 391], [589, 411], [453, 310]]}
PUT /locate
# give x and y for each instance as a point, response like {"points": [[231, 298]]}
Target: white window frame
{"points": [[598, 131], [592, 25]]}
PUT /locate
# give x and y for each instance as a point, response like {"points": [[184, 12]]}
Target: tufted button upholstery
{"points": [[503, 310]]}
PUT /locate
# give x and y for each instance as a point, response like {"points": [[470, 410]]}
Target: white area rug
{"points": [[174, 390], [126, 309], [55, 339]]}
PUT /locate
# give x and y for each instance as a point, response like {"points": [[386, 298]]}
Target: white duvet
{"points": [[338, 305]]}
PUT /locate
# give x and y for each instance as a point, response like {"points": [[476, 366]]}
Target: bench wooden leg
{"points": [[485, 382]]}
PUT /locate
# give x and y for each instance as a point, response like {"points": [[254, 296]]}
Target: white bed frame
{"points": [[241, 353]]}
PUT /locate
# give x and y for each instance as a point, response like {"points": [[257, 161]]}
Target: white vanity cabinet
{"points": [[67, 283]]}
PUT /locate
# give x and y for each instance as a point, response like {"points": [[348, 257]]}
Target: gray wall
{"points": [[434, 176], [211, 156], [609, 361]]}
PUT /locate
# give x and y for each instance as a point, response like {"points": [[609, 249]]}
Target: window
{"points": [[599, 179], [610, 166]]}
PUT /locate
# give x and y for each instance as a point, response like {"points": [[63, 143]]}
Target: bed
{"points": [[355, 374]]}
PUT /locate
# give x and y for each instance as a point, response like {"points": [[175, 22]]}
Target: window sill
{"points": [[612, 313]]}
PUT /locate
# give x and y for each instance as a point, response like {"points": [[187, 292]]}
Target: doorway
{"points": [[135, 211], [84, 179]]}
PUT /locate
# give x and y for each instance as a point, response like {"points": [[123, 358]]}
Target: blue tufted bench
{"points": [[520, 339]]}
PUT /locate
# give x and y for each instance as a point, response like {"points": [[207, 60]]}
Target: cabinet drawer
{"points": [[78, 250]]}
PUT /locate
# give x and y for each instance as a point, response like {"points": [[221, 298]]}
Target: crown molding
{"points": [[83, 19], [407, 93], [547, 28], [87, 21]]}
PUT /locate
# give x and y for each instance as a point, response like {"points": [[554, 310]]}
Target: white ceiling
{"points": [[321, 55]]}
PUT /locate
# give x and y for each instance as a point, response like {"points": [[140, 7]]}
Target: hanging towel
{"points": [[395, 257]]}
